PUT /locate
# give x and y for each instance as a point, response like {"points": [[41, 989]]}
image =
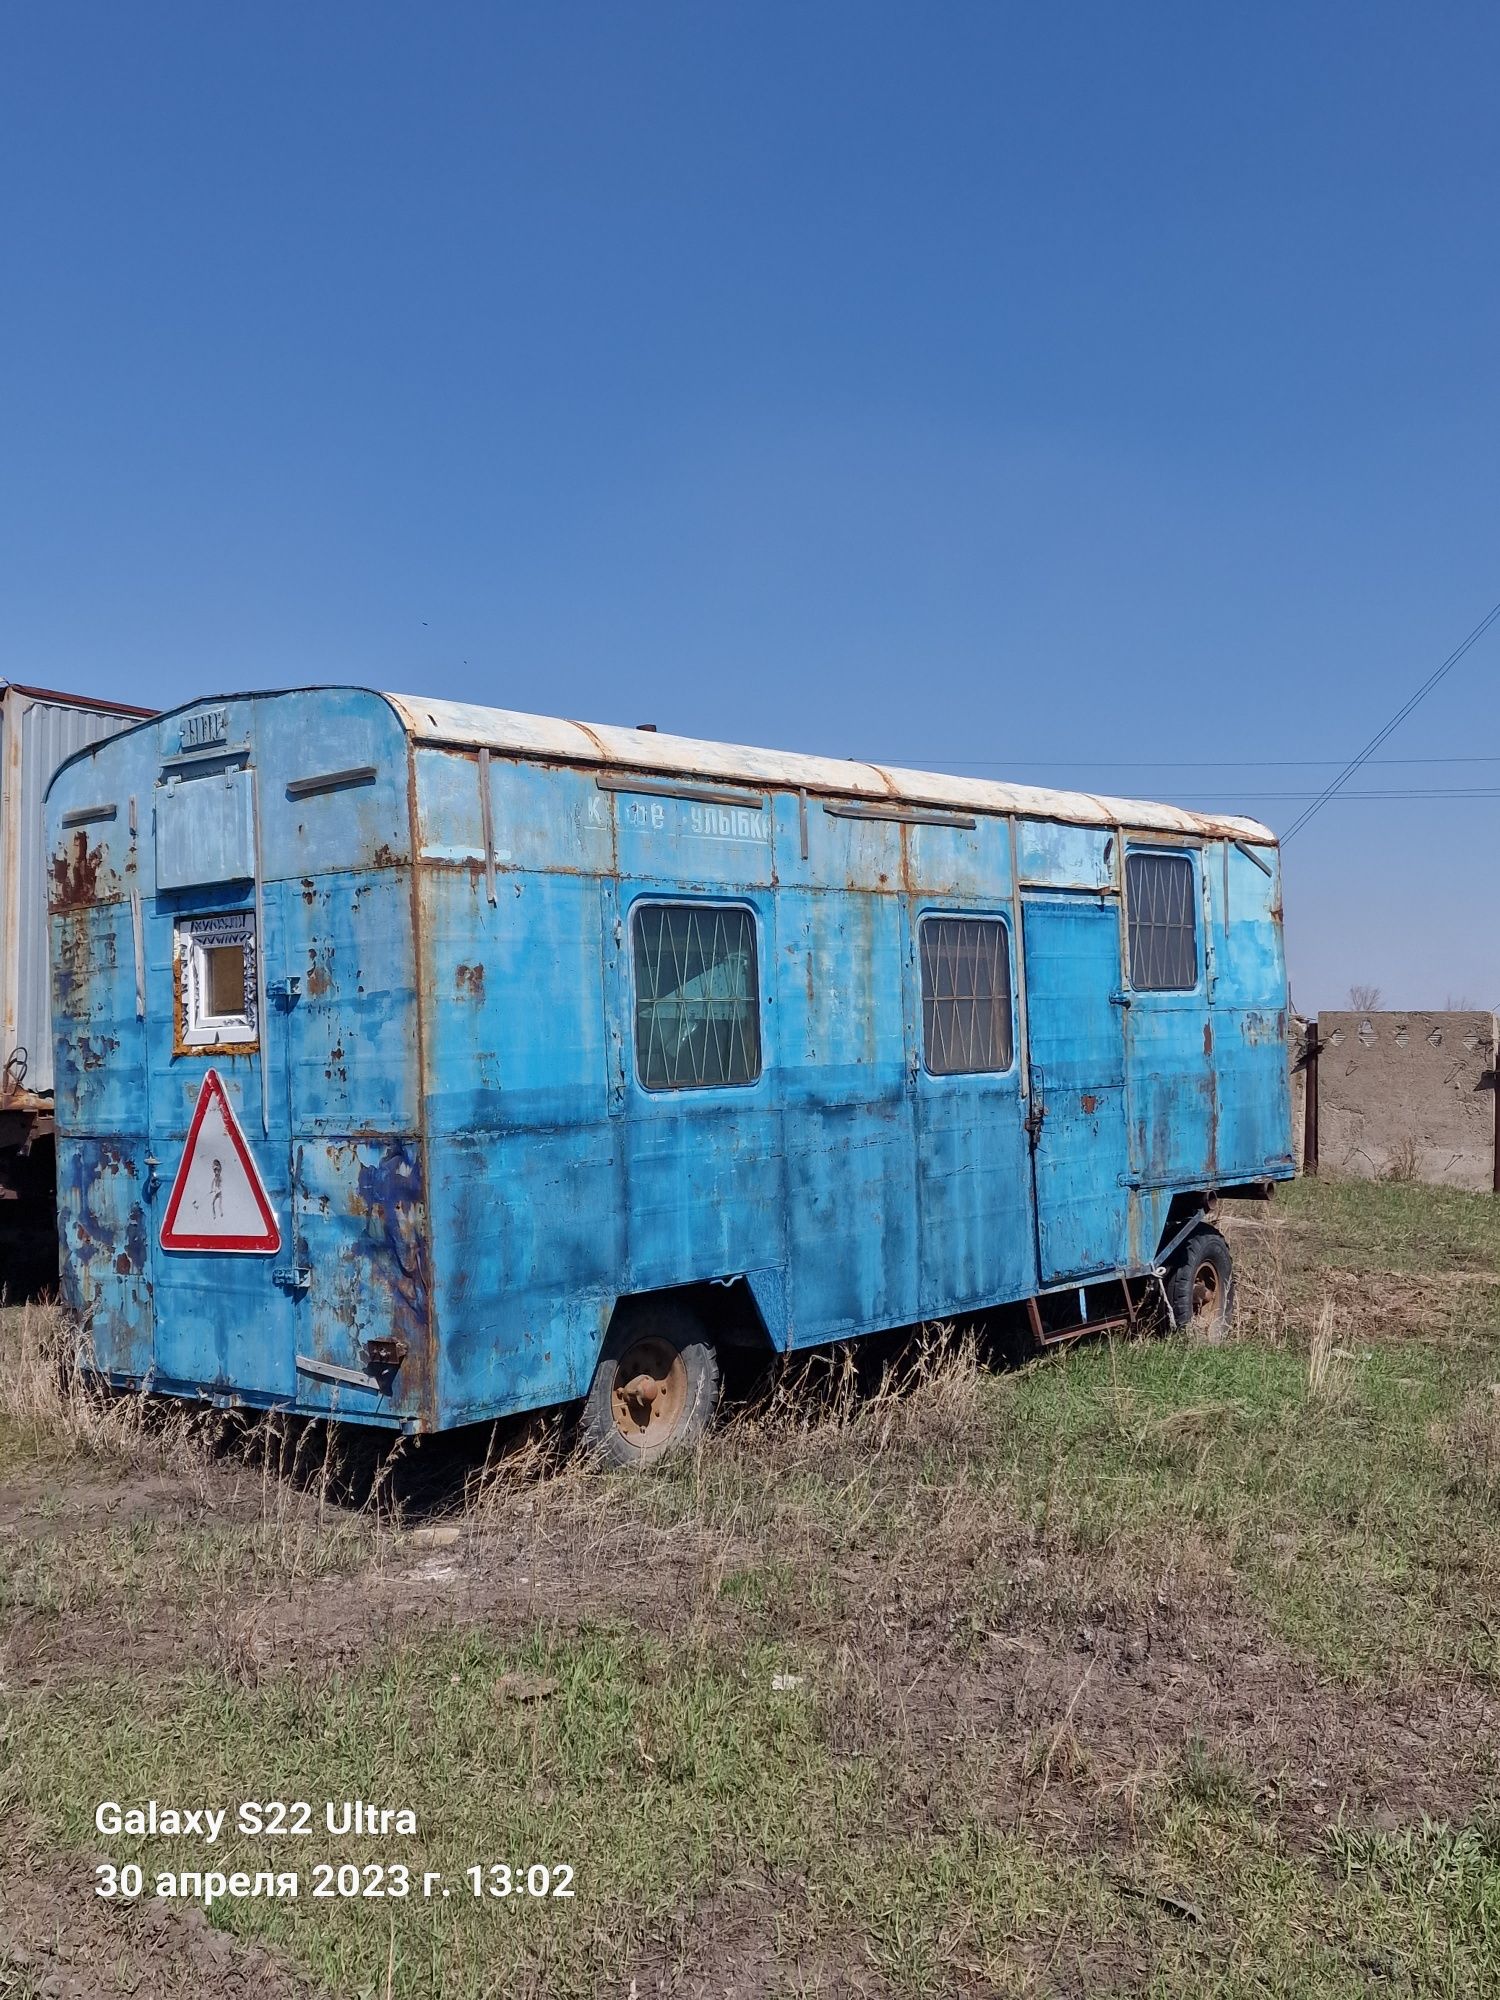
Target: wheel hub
{"points": [[1207, 1293], [650, 1391]]}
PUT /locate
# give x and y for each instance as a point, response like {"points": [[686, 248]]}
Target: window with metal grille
{"points": [[966, 1014], [1160, 902], [697, 995]]}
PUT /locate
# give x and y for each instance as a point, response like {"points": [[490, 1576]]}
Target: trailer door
{"points": [[221, 1187], [1077, 1053]]}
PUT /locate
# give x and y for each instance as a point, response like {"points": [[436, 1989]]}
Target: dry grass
{"points": [[1403, 1162], [927, 1394], [955, 1670], [1263, 1303], [51, 1407], [1471, 1444], [1328, 1364], [252, 1503]]}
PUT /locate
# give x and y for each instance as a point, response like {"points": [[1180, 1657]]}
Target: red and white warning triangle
{"points": [[218, 1199]]}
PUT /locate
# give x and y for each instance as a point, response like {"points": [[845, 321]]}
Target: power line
{"points": [[1395, 722], [1413, 792], [1157, 763]]}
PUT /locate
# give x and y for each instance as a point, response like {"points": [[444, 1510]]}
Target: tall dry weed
{"points": [[57, 1406], [1328, 1365], [1470, 1444], [1403, 1163], [286, 1480], [1262, 1290], [926, 1393]]}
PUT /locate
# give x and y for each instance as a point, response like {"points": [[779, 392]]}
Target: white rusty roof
{"points": [[510, 733]]}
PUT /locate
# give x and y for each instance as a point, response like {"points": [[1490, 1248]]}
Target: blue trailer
{"points": [[420, 1063]]}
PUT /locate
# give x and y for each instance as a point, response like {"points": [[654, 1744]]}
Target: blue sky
{"points": [[1093, 395]]}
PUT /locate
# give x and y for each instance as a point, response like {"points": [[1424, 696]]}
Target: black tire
{"points": [[659, 1345], [1200, 1285]]}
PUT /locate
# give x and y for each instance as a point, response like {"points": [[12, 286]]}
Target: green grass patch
{"points": [[759, 1785], [1341, 1508], [1354, 1497], [655, 1773], [1393, 1226], [713, 1826]]}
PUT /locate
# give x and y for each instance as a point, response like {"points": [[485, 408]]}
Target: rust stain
{"points": [[470, 979], [75, 874], [1208, 1038], [1089, 1102]]}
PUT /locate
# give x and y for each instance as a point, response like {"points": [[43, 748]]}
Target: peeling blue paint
{"points": [[443, 1100]]}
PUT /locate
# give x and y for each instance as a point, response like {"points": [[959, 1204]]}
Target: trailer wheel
{"points": [[655, 1387], [1200, 1285]]}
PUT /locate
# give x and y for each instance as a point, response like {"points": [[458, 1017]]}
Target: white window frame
{"points": [[192, 939]]}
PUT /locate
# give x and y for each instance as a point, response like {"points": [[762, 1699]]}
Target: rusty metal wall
{"points": [[325, 1088], [443, 1098], [38, 736]]}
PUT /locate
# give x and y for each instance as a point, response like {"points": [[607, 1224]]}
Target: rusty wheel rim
{"points": [[650, 1391], [1208, 1295]]}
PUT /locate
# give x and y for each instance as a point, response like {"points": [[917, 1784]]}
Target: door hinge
{"points": [[286, 990], [292, 1277], [1121, 999]]}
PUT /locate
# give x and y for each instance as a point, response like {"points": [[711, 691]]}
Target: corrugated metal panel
{"points": [[49, 732], [507, 730]]}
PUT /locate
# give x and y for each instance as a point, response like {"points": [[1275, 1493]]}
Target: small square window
{"points": [[1160, 898], [226, 981], [216, 982], [966, 1009]]}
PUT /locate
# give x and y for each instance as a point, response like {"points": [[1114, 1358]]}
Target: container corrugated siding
{"points": [[50, 731]]}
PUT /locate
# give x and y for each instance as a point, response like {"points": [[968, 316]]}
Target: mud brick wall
{"points": [[1296, 1051], [1408, 1097]]}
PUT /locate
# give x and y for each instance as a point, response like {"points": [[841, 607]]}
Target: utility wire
{"points": [[1395, 722], [942, 763], [1413, 792]]}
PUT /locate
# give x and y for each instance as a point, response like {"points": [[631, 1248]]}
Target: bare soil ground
{"points": [[1144, 1668]]}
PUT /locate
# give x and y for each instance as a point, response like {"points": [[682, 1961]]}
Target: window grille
{"points": [[1160, 898], [697, 995], [966, 1005]]}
